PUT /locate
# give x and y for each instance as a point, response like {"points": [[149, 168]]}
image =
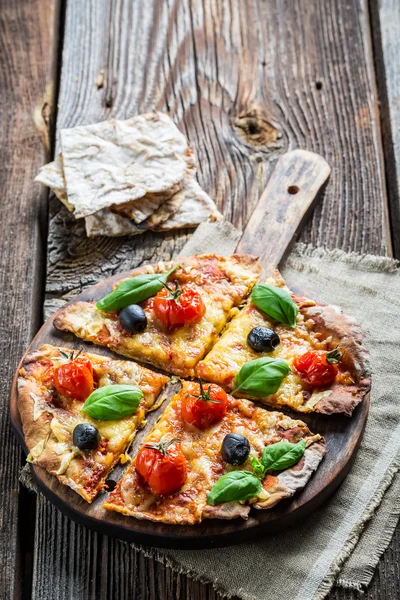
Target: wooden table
{"points": [[246, 81]]}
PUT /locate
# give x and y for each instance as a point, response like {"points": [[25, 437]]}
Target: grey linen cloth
{"points": [[343, 540]]}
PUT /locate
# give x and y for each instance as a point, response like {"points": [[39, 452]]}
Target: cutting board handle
{"points": [[284, 206]]}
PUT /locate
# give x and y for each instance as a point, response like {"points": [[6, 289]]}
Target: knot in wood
{"points": [[257, 131], [46, 113]]}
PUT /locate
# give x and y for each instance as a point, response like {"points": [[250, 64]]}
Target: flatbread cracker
{"points": [[115, 162], [52, 175], [196, 207], [141, 209]]}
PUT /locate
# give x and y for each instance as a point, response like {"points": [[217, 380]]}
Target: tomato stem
{"points": [[174, 294], [162, 446], [334, 356], [70, 356], [204, 395]]}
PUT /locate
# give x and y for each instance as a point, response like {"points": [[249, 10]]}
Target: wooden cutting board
{"points": [[286, 202]]}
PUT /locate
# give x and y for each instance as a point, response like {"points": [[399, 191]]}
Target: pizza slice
{"points": [[168, 315], [54, 385], [214, 456], [326, 368]]}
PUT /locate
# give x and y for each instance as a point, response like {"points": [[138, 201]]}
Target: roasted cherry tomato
{"points": [[177, 307], [74, 379], [163, 466], [203, 405], [319, 367]]}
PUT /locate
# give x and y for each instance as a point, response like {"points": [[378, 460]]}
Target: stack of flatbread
{"points": [[125, 177]]}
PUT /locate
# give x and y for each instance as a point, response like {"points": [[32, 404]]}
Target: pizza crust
{"points": [[347, 333]]}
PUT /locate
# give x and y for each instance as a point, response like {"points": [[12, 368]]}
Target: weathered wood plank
{"points": [[27, 47], [385, 18], [244, 89], [245, 82]]}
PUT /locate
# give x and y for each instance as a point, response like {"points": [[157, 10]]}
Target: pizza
{"points": [[54, 385], [214, 456], [213, 452], [176, 334], [318, 335]]}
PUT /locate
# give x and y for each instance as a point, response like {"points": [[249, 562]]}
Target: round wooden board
{"points": [[342, 434]]}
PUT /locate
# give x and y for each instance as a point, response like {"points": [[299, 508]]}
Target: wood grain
{"points": [[27, 38], [246, 82], [244, 89], [385, 17]]}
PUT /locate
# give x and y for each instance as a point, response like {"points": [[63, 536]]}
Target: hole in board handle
{"points": [[293, 189]]}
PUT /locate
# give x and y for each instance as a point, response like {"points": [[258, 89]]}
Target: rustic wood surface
{"points": [[246, 81], [27, 44], [385, 17]]}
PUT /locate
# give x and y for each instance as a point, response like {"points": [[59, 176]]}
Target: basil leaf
{"points": [[261, 377], [234, 486], [134, 290], [276, 303], [282, 455], [112, 402], [258, 468]]}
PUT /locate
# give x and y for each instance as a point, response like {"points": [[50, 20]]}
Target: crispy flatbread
{"points": [[202, 449], [318, 327], [49, 419], [196, 207], [151, 206], [115, 162], [222, 282], [140, 210], [52, 175]]}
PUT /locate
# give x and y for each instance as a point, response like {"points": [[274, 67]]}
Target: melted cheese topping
{"points": [[84, 471], [205, 463], [222, 284], [232, 351]]}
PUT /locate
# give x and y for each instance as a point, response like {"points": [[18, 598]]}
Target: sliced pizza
{"points": [[80, 412], [167, 315], [316, 348], [214, 456]]}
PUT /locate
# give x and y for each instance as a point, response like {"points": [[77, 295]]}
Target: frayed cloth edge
{"points": [[354, 537], [366, 262], [376, 552]]}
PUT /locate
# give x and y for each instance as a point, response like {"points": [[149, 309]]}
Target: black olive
{"points": [[111, 484], [235, 448], [85, 436], [263, 339], [133, 319]]}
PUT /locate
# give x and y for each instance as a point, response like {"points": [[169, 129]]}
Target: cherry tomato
{"points": [[178, 307], [163, 466], [203, 406], [74, 379], [319, 367]]}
